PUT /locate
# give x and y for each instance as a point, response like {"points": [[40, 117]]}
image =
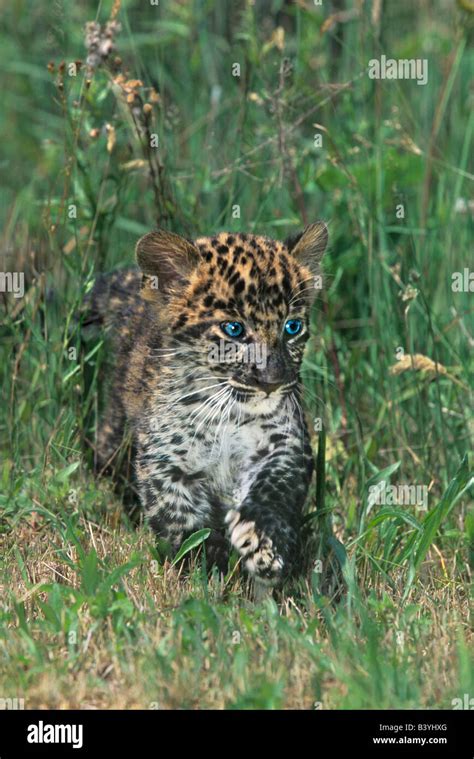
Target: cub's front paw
{"points": [[257, 550]]}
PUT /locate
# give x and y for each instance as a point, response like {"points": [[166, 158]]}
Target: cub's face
{"points": [[234, 309]]}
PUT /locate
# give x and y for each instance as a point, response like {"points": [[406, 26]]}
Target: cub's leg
{"points": [[265, 527], [110, 436], [176, 502]]}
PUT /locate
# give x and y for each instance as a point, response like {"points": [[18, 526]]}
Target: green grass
{"points": [[90, 615]]}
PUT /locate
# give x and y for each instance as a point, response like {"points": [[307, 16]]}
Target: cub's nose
{"points": [[269, 387]]}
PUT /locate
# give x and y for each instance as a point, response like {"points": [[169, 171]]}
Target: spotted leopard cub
{"points": [[209, 345]]}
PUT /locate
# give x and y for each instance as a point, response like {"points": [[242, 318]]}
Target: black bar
{"points": [[151, 733]]}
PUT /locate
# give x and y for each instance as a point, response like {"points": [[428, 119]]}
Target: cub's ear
{"points": [[166, 260], [309, 246]]}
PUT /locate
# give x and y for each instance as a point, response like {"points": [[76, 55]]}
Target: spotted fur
{"points": [[221, 444]]}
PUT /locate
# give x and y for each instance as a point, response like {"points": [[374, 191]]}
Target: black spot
{"points": [[277, 437], [181, 321], [234, 278], [156, 524], [286, 282], [177, 475], [220, 304]]}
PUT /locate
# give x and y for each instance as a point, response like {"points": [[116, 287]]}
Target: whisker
{"points": [[194, 392], [209, 418], [214, 400], [197, 412]]}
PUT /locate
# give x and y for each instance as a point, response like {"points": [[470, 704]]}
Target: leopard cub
{"points": [[209, 339]]}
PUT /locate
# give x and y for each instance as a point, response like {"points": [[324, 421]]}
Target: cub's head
{"points": [[234, 307]]}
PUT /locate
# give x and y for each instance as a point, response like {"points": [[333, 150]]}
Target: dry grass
{"points": [[176, 641]]}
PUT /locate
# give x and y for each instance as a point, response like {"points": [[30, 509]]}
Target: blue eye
{"points": [[293, 326], [233, 329]]}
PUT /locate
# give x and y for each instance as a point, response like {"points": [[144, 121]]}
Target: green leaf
{"points": [[119, 572], [388, 513], [384, 474], [50, 615], [129, 225], [433, 520], [64, 474], [460, 483], [90, 573], [193, 541]]}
